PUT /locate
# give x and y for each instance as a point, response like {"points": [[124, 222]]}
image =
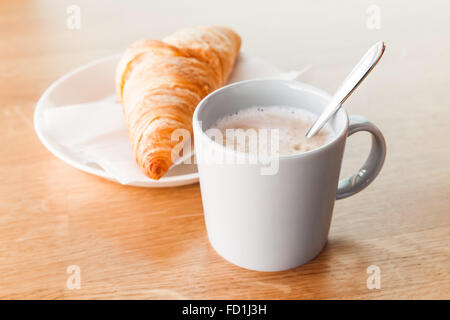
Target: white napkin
{"points": [[96, 132]]}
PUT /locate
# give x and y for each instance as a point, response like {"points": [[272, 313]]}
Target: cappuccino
{"points": [[270, 130]]}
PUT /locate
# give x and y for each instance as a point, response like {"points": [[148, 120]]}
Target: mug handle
{"points": [[355, 183]]}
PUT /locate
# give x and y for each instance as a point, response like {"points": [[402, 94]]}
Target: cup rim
{"points": [[296, 85]]}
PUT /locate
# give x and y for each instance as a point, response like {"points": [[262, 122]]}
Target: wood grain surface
{"points": [[141, 243]]}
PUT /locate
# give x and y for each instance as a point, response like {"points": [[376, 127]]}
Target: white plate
{"points": [[92, 82]]}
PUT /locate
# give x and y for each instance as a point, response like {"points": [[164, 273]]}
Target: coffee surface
{"points": [[271, 130]]}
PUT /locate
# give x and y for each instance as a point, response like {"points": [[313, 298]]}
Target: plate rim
{"points": [[41, 106]]}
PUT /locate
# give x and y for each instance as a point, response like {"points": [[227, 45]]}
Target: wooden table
{"points": [[151, 243]]}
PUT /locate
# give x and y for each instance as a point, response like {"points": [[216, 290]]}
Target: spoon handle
{"points": [[356, 76]]}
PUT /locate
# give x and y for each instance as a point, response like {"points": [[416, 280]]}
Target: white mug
{"points": [[279, 221]]}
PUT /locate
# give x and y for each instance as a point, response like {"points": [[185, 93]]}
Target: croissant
{"points": [[160, 83]]}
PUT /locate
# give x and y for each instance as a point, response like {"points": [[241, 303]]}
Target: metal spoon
{"points": [[358, 74]]}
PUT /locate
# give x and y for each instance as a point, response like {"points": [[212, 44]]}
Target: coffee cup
{"points": [[278, 221]]}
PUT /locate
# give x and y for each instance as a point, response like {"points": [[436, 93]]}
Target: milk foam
{"points": [[290, 123]]}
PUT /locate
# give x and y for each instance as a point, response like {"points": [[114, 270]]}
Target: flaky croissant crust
{"points": [[160, 83]]}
